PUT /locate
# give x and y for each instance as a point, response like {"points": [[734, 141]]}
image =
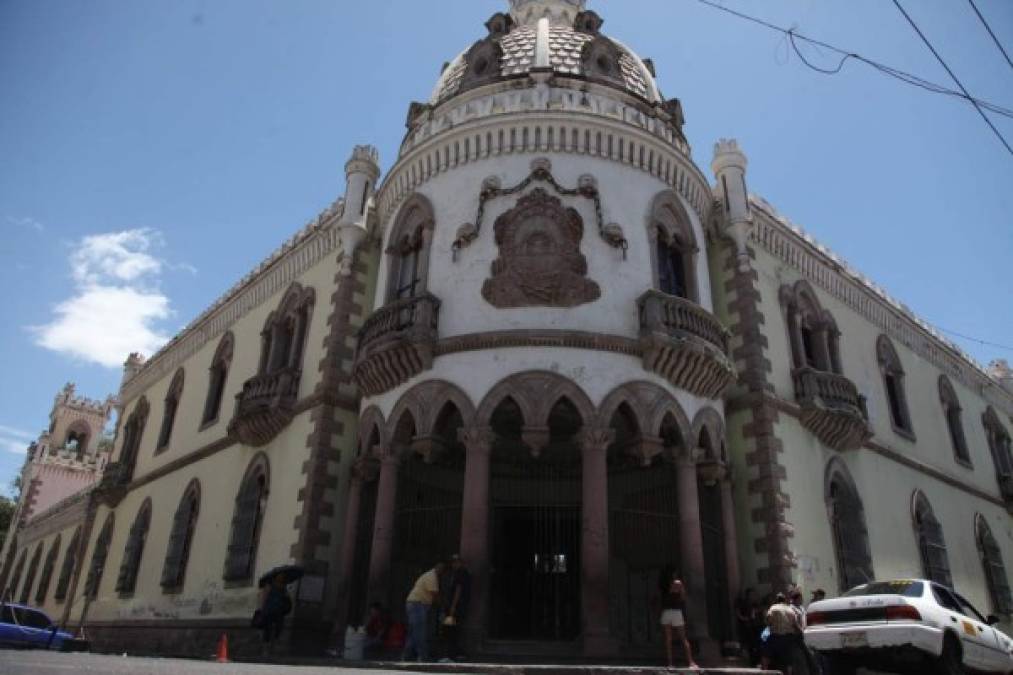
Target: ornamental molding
{"points": [[540, 133], [821, 267], [318, 239]]}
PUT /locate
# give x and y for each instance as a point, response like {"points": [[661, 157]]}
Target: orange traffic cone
{"points": [[223, 649]]}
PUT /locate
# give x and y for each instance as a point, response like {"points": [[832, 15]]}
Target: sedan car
{"points": [[906, 625], [27, 627]]}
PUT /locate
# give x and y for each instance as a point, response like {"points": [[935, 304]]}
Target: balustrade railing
{"points": [[661, 312], [419, 313], [280, 386], [833, 390]]}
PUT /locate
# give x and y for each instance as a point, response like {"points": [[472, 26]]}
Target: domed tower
{"points": [[542, 373]]}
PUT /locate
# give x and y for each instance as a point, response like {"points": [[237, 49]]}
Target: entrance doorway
{"points": [[535, 528]]}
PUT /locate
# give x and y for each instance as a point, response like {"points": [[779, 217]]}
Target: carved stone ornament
{"points": [[539, 263]]}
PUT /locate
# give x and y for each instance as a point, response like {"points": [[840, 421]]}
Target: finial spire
{"points": [[528, 12]]}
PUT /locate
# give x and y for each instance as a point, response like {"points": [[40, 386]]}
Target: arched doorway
{"points": [[535, 524]]}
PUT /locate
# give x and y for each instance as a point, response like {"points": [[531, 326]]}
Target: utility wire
{"points": [[962, 88], [989, 29], [972, 339], [905, 77]]}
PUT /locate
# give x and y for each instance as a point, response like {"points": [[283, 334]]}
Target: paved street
{"points": [[51, 663]]}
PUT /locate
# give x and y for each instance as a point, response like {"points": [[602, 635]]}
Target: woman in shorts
{"points": [[673, 620]]}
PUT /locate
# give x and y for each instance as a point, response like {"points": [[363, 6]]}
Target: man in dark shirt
{"points": [[458, 597]]}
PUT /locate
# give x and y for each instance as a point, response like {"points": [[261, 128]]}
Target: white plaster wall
{"points": [[186, 433], [626, 196], [204, 594]]}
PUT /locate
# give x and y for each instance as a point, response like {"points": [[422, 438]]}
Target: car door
{"points": [[994, 657], [970, 637], [35, 626]]}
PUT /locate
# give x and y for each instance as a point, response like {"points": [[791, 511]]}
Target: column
{"points": [[383, 526], [475, 526], [351, 532], [691, 546], [594, 542], [731, 541]]}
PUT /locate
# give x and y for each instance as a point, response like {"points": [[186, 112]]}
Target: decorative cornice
{"points": [[797, 249], [304, 249], [545, 132], [500, 339]]}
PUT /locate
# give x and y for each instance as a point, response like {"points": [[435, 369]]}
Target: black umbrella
{"points": [[289, 572]]}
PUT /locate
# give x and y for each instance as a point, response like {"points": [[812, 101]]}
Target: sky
{"points": [[152, 152]]}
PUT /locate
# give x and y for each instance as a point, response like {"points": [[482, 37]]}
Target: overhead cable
{"points": [[989, 29]]}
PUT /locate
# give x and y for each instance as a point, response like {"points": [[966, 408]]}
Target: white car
{"points": [[906, 625]]}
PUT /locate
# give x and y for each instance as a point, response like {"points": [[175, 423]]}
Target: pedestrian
{"points": [[456, 610], [273, 605], [424, 593], [673, 619], [783, 622], [746, 613]]}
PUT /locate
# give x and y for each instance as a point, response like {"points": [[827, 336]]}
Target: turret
{"points": [[561, 12], [131, 366], [361, 172], [729, 167], [1000, 371]]}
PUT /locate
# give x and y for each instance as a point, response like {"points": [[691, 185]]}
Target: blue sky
{"points": [[152, 152]]}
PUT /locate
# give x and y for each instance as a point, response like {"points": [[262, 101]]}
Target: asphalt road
{"points": [[53, 663]]}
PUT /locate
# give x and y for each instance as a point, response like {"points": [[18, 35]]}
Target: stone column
{"points": [[731, 541], [383, 526], [362, 471], [691, 546], [475, 526], [594, 542], [822, 335]]}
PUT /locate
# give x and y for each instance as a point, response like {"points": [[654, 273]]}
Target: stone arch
{"points": [[930, 540], [952, 412], [812, 331], [996, 579], [892, 370], [247, 517], [536, 392], [283, 337], [427, 399], [79, 431], [708, 421], [171, 405], [218, 373], [372, 430]]}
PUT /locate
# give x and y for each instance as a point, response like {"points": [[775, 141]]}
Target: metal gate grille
{"points": [[357, 600], [713, 531], [643, 539]]}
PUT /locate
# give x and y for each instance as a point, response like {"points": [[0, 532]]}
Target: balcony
{"points": [[265, 406], [685, 344], [832, 408], [395, 343], [113, 484]]}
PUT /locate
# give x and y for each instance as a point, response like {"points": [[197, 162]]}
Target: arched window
{"points": [[77, 438], [33, 569], [246, 521], [847, 526], [47, 571], [408, 249], [893, 385], [995, 571], [16, 577], [98, 558], [126, 581], [67, 569], [1002, 454], [951, 410], [931, 545], [180, 539], [217, 375], [674, 247], [172, 397], [133, 431], [812, 331], [284, 333]]}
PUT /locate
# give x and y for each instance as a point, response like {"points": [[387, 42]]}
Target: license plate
{"points": [[855, 639]]}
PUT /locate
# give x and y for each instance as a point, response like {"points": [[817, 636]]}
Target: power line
{"points": [[989, 29], [896, 73], [972, 339], [962, 88]]}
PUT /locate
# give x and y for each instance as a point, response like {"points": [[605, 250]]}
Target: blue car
{"points": [[30, 628]]}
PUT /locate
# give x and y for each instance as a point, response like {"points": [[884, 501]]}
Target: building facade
{"points": [[546, 340]]}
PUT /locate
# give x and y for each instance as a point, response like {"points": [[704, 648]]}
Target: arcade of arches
{"points": [[566, 513]]}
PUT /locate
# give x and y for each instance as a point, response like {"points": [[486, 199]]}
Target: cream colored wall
{"points": [[885, 486], [204, 594], [49, 605], [186, 433]]}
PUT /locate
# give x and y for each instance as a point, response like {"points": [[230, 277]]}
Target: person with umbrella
{"points": [[274, 603]]}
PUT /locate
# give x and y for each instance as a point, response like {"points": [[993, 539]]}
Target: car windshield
{"points": [[905, 587]]}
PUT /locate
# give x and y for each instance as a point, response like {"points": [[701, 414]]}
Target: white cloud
{"points": [[14, 440], [30, 223], [117, 305]]}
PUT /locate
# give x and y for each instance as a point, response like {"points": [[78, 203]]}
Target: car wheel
{"points": [[949, 662], [838, 665]]}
